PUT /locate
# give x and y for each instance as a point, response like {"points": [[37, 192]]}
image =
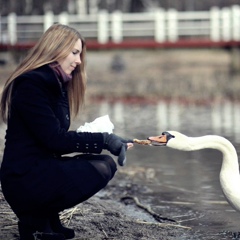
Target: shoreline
{"points": [[194, 75]]}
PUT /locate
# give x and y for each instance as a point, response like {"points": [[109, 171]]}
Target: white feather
{"points": [[229, 174]]}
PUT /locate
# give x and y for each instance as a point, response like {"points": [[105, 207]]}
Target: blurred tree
{"points": [[8, 6], [26, 7], [136, 6], [56, 6], [38, 7], [195, 5]]}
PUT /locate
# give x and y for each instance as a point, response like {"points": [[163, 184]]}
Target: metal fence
{"points": [[160, 26]]}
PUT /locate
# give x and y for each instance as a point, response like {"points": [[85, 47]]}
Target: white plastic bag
{"points": [[100, 124]]}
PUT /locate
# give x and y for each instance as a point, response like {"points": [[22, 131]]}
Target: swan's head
{"points": [[172, 139]]}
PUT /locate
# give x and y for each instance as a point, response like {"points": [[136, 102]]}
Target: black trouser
{"points": [[66, 182]]}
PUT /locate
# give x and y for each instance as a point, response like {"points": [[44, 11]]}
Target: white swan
{"points": [[229, 174]]}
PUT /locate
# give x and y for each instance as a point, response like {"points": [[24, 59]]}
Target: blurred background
{"points": [[140, 51], [153, 65], [30, 7]]}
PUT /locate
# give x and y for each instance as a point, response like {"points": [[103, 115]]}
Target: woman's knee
{"points": [[108, 159], [106, 167]]}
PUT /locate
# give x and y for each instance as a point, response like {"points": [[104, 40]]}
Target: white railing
{"points": [[160, 26]]}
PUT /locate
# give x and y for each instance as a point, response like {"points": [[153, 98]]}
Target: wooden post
{"points": [[160, 26], [48, 20], [235, 54], [103, 27], [116, 27], [215, 24], [226, 24], [236, 23], [1, 35], [63, 18], [12, 28], [172, 22]]}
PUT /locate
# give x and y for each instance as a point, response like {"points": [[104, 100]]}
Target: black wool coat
{"points": [[36, 137]]}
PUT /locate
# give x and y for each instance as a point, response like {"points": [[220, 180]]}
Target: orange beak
{"points": [[158, 140]]}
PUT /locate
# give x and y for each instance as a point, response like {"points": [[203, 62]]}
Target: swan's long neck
{"points": [[230, 158], [229, 174]]}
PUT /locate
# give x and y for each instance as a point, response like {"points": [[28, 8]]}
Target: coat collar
{"points": [[45, 74]]}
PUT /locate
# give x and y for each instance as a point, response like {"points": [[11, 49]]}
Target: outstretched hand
{"points": [[117, 146], [122, 156]]}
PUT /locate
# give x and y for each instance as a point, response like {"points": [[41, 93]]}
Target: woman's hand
{"points": [[117, 146]]}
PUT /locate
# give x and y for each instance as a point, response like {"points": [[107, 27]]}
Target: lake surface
{"points": [[186, 181]]}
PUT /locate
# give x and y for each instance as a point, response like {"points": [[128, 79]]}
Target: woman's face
{"points": [[73, 59]]}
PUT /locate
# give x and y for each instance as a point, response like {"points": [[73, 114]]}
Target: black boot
{"points": [[57, 226], [35, 229]]}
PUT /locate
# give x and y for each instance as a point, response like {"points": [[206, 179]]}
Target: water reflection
{"points": [[226, 119], [221, 118], [179, 177]]}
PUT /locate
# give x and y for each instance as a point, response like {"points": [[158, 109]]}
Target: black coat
{"points": [[36, 137]]}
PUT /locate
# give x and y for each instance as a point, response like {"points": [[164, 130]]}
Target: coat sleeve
{"points": [[32, 104]]}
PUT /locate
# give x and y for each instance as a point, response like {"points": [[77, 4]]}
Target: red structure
{"points": [[139, 44]]}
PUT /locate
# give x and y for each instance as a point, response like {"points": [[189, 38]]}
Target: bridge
{"points": [[158, 29]]}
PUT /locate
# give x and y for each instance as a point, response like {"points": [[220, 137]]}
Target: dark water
{"points": [[188, 182]]}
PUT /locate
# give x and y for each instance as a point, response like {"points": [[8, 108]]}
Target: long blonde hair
{"points": [[54, 45]]}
